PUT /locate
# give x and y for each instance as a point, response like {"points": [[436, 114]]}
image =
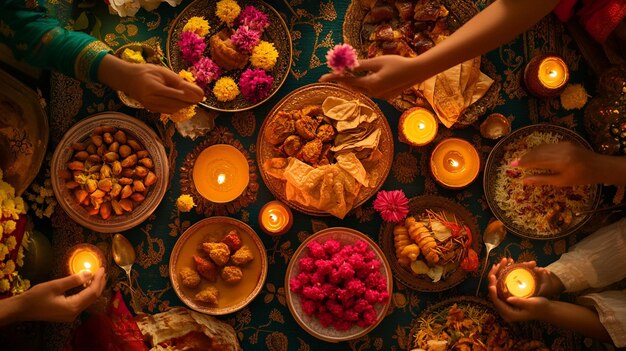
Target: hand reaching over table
{"points": [[156, 88], [572, 165], [47, 301]]}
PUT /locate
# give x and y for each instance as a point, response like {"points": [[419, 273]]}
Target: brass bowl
{"points": [[148, 51]]}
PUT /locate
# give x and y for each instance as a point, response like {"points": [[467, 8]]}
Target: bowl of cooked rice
{"points": [[535, 211]]}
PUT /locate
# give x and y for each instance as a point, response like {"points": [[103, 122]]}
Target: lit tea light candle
{"points": [[516, 280], [84, 257], [417, 126], [454, 163], [546, 75], [221, 173], [275, 218]]}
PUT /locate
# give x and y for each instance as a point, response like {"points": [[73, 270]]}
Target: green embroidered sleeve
{"points": [[40, 41]]}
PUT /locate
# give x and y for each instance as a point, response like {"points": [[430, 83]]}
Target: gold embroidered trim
{"points": [[86, 58]]}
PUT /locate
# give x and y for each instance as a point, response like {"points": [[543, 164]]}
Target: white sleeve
{"points": [[611, 308], [596, 261]]}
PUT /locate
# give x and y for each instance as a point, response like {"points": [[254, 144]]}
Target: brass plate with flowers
{"points": [[452, 230], [361, 23], [23, 133], [277, 33]]}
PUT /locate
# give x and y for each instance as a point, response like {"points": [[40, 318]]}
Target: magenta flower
{"points": [[255, 84], [392, 205], [191, 47], [246, 39], [205, 71], [253, 18], [341, 58]]}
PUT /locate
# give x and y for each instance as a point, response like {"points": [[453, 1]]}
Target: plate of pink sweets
{"points": [[339, 285]]}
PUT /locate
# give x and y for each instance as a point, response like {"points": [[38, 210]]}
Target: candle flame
{"points": [[221, 178], [421, 126], [88, 266], [553, 74], [454, 163], [273, 218], [521, 284]]}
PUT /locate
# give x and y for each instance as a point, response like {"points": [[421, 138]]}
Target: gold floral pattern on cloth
{"points": [[66, 99], [220, 135], [85, 59], [405, 167], [244, 123]]}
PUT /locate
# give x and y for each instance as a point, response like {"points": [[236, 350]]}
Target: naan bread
{"points": [[183, 329], [452, 91]]}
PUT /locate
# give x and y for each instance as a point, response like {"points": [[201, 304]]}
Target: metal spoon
{"points": [[492, 237], [124, 256], [615, 208]]}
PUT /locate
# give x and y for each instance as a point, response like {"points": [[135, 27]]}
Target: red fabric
{"points": [[112, 331], [600, 17]]}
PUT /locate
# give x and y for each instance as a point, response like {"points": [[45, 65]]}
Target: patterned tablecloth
{"points": [[267, 323]]}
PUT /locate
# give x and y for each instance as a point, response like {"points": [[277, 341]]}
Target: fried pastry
{"points": [[208, 295], [292, 145], [326, 133], [232, 240], [242, 256], [205, 268], [311, 151], [218, 252], [189, 277], [306, 127], [225, 53], [281, 127], [232, 274]]}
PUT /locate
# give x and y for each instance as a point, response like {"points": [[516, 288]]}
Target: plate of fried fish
{"points": [[459, 95], [218, 266], [324, 149]]}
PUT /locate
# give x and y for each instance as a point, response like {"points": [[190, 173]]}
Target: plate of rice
{"points": [[535, 211]]}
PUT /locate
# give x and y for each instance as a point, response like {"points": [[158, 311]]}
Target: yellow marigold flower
{"points": [[227, 11], [20, 206], [186, 75], [9, 267], [182, 114], [9, 226], [264, 55], [574, 97], [185, 203], [225, 89], [20, 257], [11, 243], [1, 232], [132, 56], [198, 25], [4, 285], [4, 250]]}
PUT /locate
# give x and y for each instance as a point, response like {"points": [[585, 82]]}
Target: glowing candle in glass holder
{"points": [[221, 173], [546, 75], [84, 257], [516, 280], [275, 218], [417, 126], [454, 163]]}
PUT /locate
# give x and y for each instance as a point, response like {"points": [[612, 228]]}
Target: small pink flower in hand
{"points": [[341, 58], [392, 205]]}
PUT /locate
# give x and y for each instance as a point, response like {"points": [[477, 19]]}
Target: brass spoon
{"points": [[492, 237], [124, 256]]}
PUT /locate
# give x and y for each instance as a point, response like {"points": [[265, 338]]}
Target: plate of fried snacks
{"points": [[535, 211], [338, 285], [466, 323], [109, 172], [435, 247], [237, 51], [218, 266], [459, 95], [324, 149]]}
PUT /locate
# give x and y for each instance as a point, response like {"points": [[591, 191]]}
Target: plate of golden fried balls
{"points": [[218, 266]]}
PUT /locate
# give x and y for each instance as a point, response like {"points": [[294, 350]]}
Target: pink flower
{"points": [[191, 47], [392, 205], [255, 85], [205, 71], [253, 18], [246, 39], [342, 57]]}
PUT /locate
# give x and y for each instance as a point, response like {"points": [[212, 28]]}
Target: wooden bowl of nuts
{"points": [[109, 172]]}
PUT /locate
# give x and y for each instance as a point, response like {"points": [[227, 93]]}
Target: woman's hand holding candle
{"points": [[47, 301]]}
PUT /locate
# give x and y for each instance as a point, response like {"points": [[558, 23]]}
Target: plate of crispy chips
{"points": [[324, 149]]}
